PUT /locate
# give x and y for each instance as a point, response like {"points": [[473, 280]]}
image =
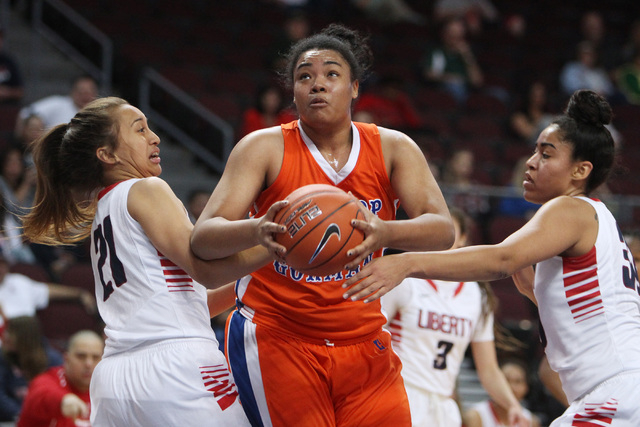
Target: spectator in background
{"points": [[632, 44], [24, 355], [17, 181], [458, 188], [32, 127], [474, 12], [269, 110], [57, 109], [11, 84], [23, 296], [296, 27], [628, 79], [389, 105], [593, 29], [60, 396], [389, 11], [533, 115], [451, 64], [585, 72], [488, 413]]}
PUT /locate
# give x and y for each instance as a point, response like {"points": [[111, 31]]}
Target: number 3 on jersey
{"points": [[629, 271], [105, 246]]}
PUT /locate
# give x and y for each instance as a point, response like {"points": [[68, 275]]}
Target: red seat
{"points": [[79, 275], [32, 271]]}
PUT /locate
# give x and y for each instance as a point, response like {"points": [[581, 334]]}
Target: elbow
{"points": [[506, 265], [448, 236]]}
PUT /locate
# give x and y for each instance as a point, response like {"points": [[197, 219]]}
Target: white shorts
{"points": [[182, 382], [613, 403], [431, 409]]}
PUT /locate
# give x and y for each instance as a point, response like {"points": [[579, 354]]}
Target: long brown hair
{"points": [[69, 174], [27, 352]]}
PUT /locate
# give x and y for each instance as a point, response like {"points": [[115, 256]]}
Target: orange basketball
{"points": [[319, 231]]}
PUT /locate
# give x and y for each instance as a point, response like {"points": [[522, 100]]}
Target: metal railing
{"points": [[192, 125], [77, 38]]}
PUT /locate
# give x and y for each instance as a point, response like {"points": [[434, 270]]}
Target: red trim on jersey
{"points": [[596, 414], [217, 380], [582, 289], [105, 190], [455, 293], [494, 413]]}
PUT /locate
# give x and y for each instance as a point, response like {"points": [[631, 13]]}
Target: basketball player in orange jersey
{"points": [[302, 355]]}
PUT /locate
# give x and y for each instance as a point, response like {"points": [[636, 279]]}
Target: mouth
{"points": [[155, 157], [318, 102]]}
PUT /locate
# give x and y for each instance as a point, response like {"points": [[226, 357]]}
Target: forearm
{"points": [[218, 237], [63, 292], [473, 263], [494, 382], [425, 233], [221, 299], [215, 273]]}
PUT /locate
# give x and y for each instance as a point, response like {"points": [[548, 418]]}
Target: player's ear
{"points": [[582, 170], [105, 155], [356, 87]]}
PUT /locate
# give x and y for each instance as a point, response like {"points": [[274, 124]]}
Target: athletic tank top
{"points": [[311, 307], [590, 309], [142, 296], [432, 322]]}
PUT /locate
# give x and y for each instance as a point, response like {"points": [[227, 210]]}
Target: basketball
{"points": [[319, 231]]}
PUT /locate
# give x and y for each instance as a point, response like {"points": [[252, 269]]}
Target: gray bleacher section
{"points": [[48, 71]]}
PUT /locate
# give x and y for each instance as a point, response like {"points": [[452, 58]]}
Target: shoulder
{"points": [[398, 145], [153, 183], [260, 146], [149, 192], [566, 207], [391, 138], [261, 140]]}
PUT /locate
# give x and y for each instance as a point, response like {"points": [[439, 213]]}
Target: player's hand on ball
{"points": [[376, 278], [375, 235], [267, 228]]}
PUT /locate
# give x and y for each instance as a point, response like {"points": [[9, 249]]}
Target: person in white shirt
{"points": [[488, 413], [58, 109], [585, 282], [432, 322], [23, 296]]}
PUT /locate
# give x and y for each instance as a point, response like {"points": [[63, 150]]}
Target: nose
{"points": [[155, 139], [318, 85], [531, 161]]}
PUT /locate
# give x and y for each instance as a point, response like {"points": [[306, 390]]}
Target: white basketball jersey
{"points": [[590, 310], [432, 324], [142, 296]]}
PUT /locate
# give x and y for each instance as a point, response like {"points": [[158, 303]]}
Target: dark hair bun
{"points": [[586, 106], [357, 42]]}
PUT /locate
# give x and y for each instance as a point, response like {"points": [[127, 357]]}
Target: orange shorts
{"points": [[283, 381]]}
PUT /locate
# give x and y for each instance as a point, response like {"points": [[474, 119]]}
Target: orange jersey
{"points": [[311, 307]]}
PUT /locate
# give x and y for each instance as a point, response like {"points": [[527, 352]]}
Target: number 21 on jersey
{"points": [[105, 246]]}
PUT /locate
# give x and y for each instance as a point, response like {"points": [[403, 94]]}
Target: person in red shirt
{"points": [[60, 396], [269, 110], [389, 104]]}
